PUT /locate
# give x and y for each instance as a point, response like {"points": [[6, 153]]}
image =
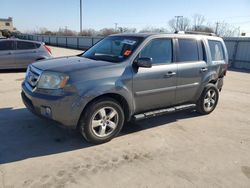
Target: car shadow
{"points": [[12, 71], [23, 135]]}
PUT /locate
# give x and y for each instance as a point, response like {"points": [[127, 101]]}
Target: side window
{"points": [[6, 45], [216, 49], [21, 45], [188, 50], [160, 50]]}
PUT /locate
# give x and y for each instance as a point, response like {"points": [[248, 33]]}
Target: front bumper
{"points": [[62, 108]]}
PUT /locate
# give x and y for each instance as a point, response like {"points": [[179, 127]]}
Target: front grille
{"points": [[32, 77]]}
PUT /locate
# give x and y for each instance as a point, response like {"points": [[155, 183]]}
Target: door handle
{"points": [[9, 53], [204, 69], [169, 74]]}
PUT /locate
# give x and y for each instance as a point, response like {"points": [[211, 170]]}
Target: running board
{"points": [[162, 111]]}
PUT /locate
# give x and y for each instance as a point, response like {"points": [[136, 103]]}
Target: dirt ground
{"points": [[177, 150]]}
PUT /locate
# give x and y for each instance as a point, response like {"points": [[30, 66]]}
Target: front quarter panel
{"points": [[115, 79]]}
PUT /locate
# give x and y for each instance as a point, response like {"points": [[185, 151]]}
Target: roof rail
{"points": [[196, 33]]}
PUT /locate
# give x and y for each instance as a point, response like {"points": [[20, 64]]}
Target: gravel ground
{"points": [[176, 150]]}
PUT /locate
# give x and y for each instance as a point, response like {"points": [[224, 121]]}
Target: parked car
{"points": [[127, 77], [16, 54]]}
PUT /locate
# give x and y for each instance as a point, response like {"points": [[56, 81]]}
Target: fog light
{"points": [[46, 111]]}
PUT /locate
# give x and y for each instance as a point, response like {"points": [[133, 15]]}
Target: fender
{"points": [[211, 76], [103, 89]]}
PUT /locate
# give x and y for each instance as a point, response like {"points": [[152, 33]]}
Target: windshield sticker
{"points": [[127, 52], [129, 42]]}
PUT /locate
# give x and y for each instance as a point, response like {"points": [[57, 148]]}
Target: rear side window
{"points": [[216, 49], [6, 45], [188, 50], [160, 50], [21, 45]]}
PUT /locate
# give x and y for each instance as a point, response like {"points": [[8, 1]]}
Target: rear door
{"points": [[155, 87], [191, 69], [25, 53], [7, 59]]}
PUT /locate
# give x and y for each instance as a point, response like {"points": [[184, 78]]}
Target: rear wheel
{"points": [[208, 99], [102, 121]]}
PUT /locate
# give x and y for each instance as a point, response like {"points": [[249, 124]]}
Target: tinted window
{"points": [[6, 45], [160, 50], [21, 45], [216, 50], [188, 50]]}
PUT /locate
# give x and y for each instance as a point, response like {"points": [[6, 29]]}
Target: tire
{"points": [[208, 100], [101, 121]]}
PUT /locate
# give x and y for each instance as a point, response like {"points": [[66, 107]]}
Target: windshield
{"points": [[113, 49]]}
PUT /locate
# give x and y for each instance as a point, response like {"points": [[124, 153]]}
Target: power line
{"points": [[177, 22], [216, 28], [116, 25], [231, 17]]}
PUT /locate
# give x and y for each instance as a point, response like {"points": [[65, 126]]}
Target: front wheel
{"points": [[208, 99], [102, 121]]}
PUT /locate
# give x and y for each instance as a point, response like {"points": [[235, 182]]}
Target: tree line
{"points": [[179, 23]]}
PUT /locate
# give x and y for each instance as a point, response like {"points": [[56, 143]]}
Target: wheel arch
{"points": [[121, 100]]}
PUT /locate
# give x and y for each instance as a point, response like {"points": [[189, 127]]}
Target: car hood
{"points": [[69, 64]]}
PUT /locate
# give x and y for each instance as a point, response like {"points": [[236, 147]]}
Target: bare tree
{"points": [[127, 30], [88, 32], [227, 30], [153, 30], [66, 32], [107, 31], [182, 24], [198, 22]]}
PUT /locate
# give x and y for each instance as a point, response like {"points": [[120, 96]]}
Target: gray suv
{"points": [[17, 54], [127, 77]]}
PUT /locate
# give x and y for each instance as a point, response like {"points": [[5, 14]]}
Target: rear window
{"points": [[6, 45], [188, 50], [21, 45], [216, 49]]}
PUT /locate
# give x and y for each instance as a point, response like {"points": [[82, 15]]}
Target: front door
{"points": [[155, 87]]}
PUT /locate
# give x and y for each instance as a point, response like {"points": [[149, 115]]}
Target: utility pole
{"points": [[80, 16], [116, 24], [177, 22], [216, 28]]}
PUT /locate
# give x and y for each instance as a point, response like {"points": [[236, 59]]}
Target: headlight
{"points": [[52, 80]]}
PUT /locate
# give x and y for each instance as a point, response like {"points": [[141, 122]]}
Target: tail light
{"points": [[48, 49]]}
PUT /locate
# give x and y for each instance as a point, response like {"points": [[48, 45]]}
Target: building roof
{"points": [[6, 19]]}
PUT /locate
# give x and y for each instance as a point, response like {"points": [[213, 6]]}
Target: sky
{"points": [[30, 15]]}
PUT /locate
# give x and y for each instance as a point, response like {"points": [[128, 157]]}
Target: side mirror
{"points": [[145, 62]]}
